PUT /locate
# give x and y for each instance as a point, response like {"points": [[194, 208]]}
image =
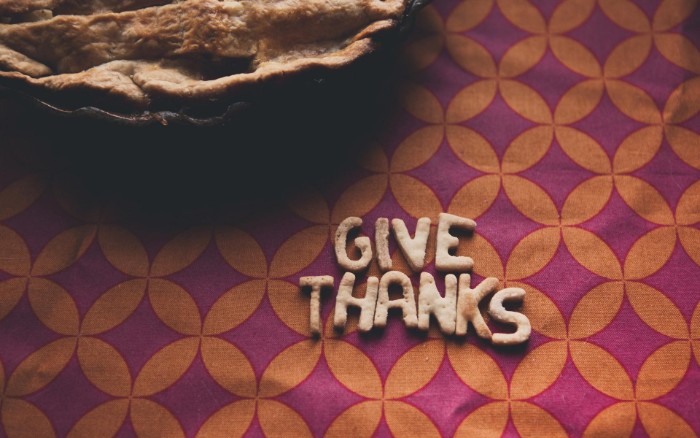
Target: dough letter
{"points": [[345, 300]]}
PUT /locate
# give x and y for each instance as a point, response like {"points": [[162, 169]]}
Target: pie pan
{"points": [[139, 62]]}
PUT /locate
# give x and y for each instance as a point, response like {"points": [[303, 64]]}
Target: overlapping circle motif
{"points": [[579, 156]]}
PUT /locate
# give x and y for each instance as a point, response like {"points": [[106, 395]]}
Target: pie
{"points": [[143, 55]]}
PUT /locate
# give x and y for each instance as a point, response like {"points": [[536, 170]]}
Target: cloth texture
{"points": [[568, 130]]}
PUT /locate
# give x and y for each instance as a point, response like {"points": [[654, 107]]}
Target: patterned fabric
{"points": [[567, 129]]}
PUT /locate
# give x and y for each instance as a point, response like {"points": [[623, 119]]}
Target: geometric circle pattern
{"points": [[568, 130]]}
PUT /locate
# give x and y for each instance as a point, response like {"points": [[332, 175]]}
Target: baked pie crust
{"points": [[145, 55]]}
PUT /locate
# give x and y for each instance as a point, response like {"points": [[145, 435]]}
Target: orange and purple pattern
{"points": [[568, 130]]}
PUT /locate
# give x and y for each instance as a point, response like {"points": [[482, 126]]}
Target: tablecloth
{"points": [[567, 130]]}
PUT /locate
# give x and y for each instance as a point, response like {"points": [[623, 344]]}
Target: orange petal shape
{"points": [[415, 197], [234, 307], [230, 421], [596, 310], [633, 102], [684, 102], [405, 420], [229, 367], [20, 195], [22, 419], [471, 56], [592, 253], [471, 101], [468, 15], [113, 307], [40, 368], [104, 367], [165, 367], [487, 262], [289, 368], [105, 420], [532, 253], [472, 148], [360, 198], [586, 200], [532, 421], [543, 314], [425, 46], [64, 250], [123, 250], [11, 291], [74, 199], [694, 324], [671, 13], [279, 420], [663, 370], [374, 159], [414, 369], [527, 149], [174, 307], [570, 14], [360, 420], [637, 149], [242, 252], [579, 101], [690, 239], [525, 101], [628, 56], [575, 56], [626, 14], [299, 251], [538, 370], [312, 206], [181, 252], [54, 306], [660, 421], [478, 370], [583, 150], [644, 199], [417, 149], [684, 143], [14, 254], [656, 310], [522, 56], [475, 197], [530, 200], [421, 103], [353, 368], [601, 370], [290, 305], [650, 253], [523, 14], [679, 50], [487, 421], [151, 419], [618, 418]]}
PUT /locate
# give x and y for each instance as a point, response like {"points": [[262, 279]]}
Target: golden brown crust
{"points": [[187, 49]]}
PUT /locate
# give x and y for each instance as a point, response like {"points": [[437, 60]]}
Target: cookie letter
{"points": [[468, 305], [316, 284], [363, 243], [407, 303], [430, 302], [381, 240], [366, 304], [445, 241], [500, 314], [412, 249]]}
